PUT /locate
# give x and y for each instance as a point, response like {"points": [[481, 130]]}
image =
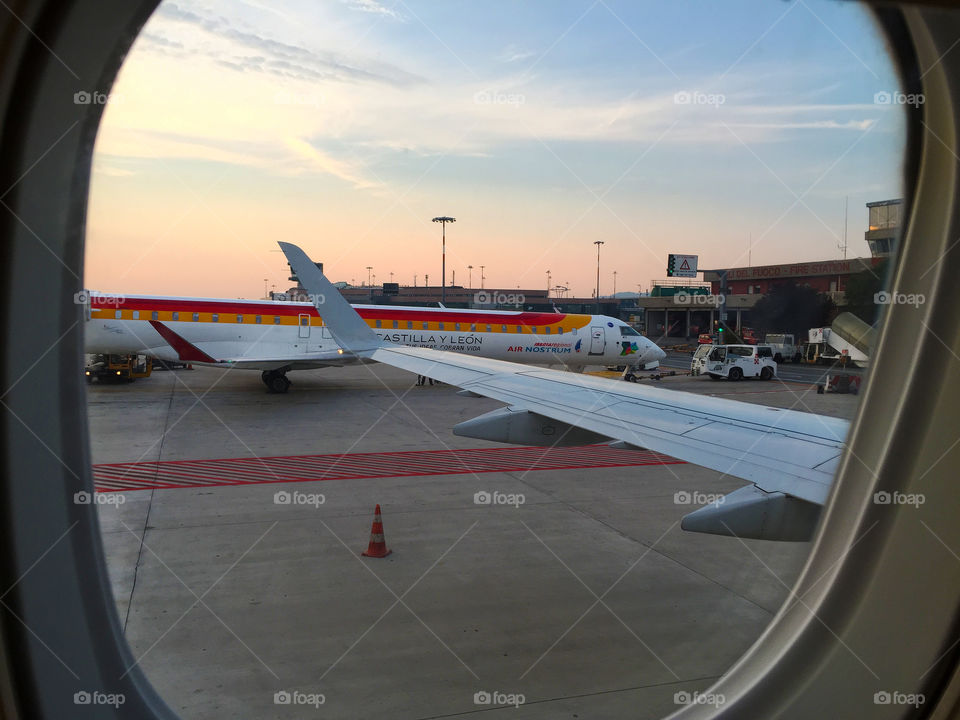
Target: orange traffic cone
{"points": [[378, 546]]}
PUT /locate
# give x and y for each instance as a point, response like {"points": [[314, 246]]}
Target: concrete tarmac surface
{"points": [[577, 597]]}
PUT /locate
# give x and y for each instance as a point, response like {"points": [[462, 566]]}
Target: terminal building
{"points": [[676, 309], [680, 310]]}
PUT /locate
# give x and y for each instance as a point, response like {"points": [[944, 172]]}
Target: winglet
{"points": [[347, 328]]}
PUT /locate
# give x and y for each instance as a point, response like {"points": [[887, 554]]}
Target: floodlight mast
{"points": [[443, 220]]}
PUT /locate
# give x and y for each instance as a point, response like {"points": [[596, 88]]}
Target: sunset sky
{"points": [[346, 125]]}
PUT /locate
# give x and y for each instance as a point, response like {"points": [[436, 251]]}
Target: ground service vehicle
{"points": [[117, 368], [848, 340], [736, 362], [699, 363], [784, 347]]}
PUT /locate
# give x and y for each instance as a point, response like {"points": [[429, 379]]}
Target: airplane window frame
{"points": [[783, 672]]}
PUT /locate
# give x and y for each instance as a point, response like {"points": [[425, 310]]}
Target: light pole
{"points": [[443, 220], [614, 284], [369, 268], [548, 283], [482, 276], [391, 277], [598, 243], [470, 276]]}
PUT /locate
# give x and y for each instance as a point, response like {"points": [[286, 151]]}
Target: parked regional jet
{"points": [[276, 337], [789, 456]]}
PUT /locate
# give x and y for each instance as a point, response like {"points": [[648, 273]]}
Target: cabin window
{"points": [[239, 318], [473, 328], [196, 317], [559, 331], [533, 329], [136, 314], [118, 315], [175, 316], [503, 328], [574, 331], [456, 326], [426, 326], [258, 319], [547, 331], [276, 319], [154, 315], [440, 326], [377, 323], [395, 324], [213, 318], [519, 328], [409, 324], [489, 328], [305, 320]]}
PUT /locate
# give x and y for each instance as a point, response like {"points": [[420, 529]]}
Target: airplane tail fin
{"points": [[347, 328]]}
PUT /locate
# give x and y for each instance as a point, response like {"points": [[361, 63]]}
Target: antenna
{"points": [[843, 247]]}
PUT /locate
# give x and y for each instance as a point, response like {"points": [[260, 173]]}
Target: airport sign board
{"points": [[684, 266]]}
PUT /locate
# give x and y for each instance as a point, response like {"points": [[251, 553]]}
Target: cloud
{"points": [[512, 53], [152, 39], [324, 163], [372, 6], [280, 58], [108, 171], [815, 125]]}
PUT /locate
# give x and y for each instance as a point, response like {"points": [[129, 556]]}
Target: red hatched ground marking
{"points": [[116, 477]]}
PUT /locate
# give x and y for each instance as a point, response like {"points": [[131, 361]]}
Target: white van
{"points": [[734, 362]]}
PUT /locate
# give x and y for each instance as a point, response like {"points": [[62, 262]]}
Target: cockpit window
{"points": [[627, 330]]}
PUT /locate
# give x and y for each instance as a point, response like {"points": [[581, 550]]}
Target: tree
{"points": [[861, 289], [791, 308]]}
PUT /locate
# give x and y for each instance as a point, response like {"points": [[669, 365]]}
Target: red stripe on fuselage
{"points": [[286, 309]]}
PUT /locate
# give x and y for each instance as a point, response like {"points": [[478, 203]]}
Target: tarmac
{"points": [[580, 597]]}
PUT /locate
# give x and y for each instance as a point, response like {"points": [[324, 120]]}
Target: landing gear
{"points": [[276, 381]]}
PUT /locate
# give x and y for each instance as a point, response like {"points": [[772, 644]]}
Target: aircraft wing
{"points": [[304, 361], [189, 352], [790, 457]]}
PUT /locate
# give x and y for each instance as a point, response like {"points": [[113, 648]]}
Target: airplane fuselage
{"points": [[269, 335]]}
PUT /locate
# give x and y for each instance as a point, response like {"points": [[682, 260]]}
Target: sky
{"points": [[735, 131]]}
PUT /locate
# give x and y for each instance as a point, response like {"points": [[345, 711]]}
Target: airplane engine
{"points": [[753, 513], [522, 427]]}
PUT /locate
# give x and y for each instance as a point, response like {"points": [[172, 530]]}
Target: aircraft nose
{"points": [[660, 353]]}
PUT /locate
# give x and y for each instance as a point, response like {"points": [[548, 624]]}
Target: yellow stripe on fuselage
{"points": [[567, 325]]}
